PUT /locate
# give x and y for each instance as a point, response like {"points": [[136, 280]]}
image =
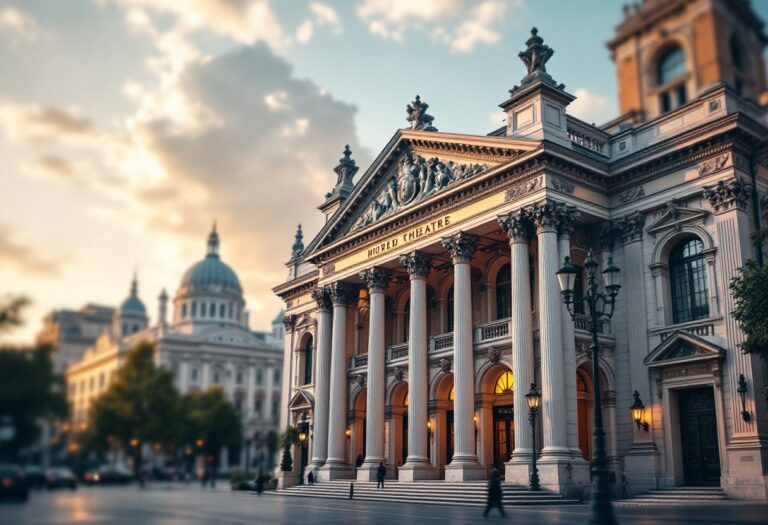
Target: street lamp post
{"points": [[600, 306], [533, 397]]}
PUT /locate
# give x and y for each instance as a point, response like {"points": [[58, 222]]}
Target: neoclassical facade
{"points": [[207, 342], [427, 303]]}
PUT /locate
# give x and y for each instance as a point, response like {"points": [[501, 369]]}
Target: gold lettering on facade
{"points": [[409, 236]]}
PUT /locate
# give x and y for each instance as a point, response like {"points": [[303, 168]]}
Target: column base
{"points": [[415, 471], [517, 470], [748, 476], [368, 471], [641, 466], [286, 479], [465, 471], [566, 476], [333, 471]]}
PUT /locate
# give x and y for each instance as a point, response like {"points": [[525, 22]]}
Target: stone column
{"points": [[336, 466], [322, 378], [746, 439], [518, 229], [642, 458], [250, 389], [417, 464], [269, 398], [555, 455], [377, 280], [464, 465]]}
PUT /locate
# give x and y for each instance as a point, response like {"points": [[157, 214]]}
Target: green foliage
{"points": [[10, 313], [289, 437], [29, 390], [209, 416], [750, 293], [142, 403]]}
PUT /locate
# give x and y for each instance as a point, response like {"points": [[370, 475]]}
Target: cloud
{"points": [[18, 24], [460, 24], [23, 258], [325, 15], [304, 32], [591, 107], [33, 123]]}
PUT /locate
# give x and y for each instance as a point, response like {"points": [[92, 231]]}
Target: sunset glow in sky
{"points": [[128, 126]]}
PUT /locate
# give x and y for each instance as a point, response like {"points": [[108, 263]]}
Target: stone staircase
{"points": [[677, 496], [430, 492]]}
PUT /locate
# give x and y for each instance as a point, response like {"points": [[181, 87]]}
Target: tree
{"points": [[141, 406], [29, 391], [211, 420], [10, 313], [289, 438], [750, 294]]}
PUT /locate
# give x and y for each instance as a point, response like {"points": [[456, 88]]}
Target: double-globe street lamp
{"points": [[600, 306], [533, 397]]}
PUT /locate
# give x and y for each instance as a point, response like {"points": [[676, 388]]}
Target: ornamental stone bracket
{"points": [[494, 354], [445, 365], [728, 194]]}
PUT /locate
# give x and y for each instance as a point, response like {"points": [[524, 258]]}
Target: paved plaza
{"points": [[189, 505]]}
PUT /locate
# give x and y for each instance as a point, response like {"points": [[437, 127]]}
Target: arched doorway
{"points": [[584, 411], [442, 432], [356, 437], [503, 419], [397, 426]]}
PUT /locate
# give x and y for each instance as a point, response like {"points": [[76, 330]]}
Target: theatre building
{"points": [[427, 304]]}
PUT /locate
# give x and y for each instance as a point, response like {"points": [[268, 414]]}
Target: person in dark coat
{"points": [[380, 473], [311, 478], [494, 493], [359, 461], [259, 484]]}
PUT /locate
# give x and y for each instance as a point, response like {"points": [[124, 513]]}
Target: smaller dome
{"points": [[211, 272], [279, 318], [133, 305]]}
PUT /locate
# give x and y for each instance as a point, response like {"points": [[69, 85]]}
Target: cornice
{"points": [[298, 286]]}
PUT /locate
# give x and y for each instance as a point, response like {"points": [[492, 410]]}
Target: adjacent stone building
{"points": [[427, 303]]}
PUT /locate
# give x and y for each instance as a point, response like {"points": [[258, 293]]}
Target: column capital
{"points": [[341, 294], [544, 215], [323, 298], [630, 227], [376, 278], [288, 322], [517, 226], [567, 217], [728, 194], [606, 232], [417, 263], [462, 246]]}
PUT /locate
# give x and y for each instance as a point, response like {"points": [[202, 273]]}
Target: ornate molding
{"points": [[461, 245], [563, 186], [543, 215], [416, 178], [341, 294], [630, 227], [631, 195], [517, 226], [377, 279], [712, 165], [418, 117], [323, 299], [523, 188], [728, 194], [417, 263]]}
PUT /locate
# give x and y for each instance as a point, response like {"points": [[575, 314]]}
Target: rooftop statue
{"points": [[535, 58], [418, 117]]}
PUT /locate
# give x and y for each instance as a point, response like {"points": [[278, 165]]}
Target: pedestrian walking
{"points": [[359, 461], [380, 473], [494, 494], [624, 483], [311, 478], [259, 484]]}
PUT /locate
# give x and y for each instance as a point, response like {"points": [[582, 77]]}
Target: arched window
{"points": [[671, 66], [504, 292], [308, 349], [407, 400], [452, 394], [449, 310], [505, 384], [194, 309], [688, 273], [222, 310], [202, 309], [737, 60], [216, 376]]}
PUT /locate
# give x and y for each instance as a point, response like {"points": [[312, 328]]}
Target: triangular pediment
{"points": [[302, 400], [684, 347], [674, 217], [414, 168]]}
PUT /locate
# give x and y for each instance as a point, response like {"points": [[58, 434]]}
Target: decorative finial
{"points": [[213, 242], [163, 295], [418, 117], [345, 171], [135, 283], [535, 58], [298, 243]]}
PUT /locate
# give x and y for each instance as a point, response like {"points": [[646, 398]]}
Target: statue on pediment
{"points": [[418, 117]]}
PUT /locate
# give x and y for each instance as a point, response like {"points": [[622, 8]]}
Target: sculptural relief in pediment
{"points": [[415, 179]]}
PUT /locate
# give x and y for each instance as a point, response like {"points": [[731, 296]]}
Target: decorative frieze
{"points": [[377, 279], [728, 194], [563, 186], [630, 227], [417, 263], [461, 245], [631, 195], [523, 188], [323, 299], [516, 225], [712, 165]]}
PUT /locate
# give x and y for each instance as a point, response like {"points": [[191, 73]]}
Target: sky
{"points": [[128, 126]]}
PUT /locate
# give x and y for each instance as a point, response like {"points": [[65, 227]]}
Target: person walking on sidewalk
{"points": [[494, 494], [380, 473]]}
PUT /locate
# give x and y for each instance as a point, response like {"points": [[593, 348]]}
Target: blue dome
{"points": [[133, 305], [211, 271]]}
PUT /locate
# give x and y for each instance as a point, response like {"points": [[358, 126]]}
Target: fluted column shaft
{"points": [[337, 419], [377, 280], [418, 265], [322, 378], [462, 247], [553, 382]]}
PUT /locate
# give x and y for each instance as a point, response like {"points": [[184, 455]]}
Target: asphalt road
{"points": [[190, 505]]}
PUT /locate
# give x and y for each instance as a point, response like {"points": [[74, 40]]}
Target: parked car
{"points": [[108, 475], [34, 476], [13, 485], [60, 477]]}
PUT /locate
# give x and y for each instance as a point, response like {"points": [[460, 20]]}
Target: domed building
{"points": [[207, 343]]}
